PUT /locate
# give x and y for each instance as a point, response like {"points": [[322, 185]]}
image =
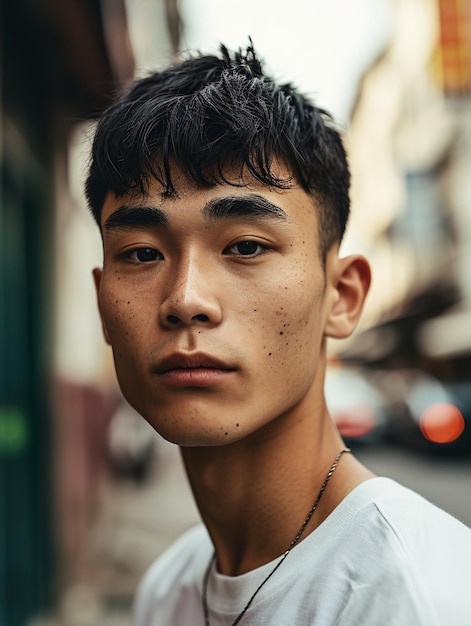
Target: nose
{"points": [[191, 297]]}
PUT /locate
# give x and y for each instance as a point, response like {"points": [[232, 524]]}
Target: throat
{"points": [[242, 517], [285, 554]]}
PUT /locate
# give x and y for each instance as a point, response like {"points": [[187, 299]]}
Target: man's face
{"points": [[215, 303]]}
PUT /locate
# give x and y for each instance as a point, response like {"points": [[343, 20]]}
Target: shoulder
{"points": [[384, 508], [399, 542], [409, 514], [175, 569]]}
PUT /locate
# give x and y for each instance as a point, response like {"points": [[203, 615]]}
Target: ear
{"points": [[350, 278], [97, 274]]}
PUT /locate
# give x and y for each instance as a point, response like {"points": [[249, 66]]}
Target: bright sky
{"points": [[323, 46]]}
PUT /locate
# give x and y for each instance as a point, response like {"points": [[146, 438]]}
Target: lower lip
{"points": [[195, 377]]}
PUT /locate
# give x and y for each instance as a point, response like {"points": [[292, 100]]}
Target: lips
{"points": [[191, 362], [193, 371]]}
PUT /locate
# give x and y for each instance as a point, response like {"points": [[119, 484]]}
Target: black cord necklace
{"points": [[283, 557]]}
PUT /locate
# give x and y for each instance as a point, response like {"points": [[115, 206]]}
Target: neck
{"points": [[264, 486]]}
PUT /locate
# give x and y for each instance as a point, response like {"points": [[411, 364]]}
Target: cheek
{"points": [[290, 323], [122, 313]]}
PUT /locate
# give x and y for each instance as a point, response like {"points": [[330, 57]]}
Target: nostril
{"points": [[172, 319], [201, 317]]}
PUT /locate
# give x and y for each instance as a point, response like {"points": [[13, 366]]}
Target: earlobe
{"points": [[351, 282], [97, 274]]}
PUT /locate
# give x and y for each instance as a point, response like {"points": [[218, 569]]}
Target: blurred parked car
{"points": [[426, 413], [356, 405], [131, 444]]}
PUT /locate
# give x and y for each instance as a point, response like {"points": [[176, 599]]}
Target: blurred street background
{"points": [[89, 495]]}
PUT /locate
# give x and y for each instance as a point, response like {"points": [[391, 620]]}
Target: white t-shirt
{"points": [[384, 557]]}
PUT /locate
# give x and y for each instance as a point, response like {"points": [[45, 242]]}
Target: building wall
{"points": [[410, 152], [49, 80]]}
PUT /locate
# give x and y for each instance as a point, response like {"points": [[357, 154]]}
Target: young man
{"points": [[222, 198]]}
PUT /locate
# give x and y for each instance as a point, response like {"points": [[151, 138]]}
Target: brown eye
{"points": [[247, 248], [144, 255]]}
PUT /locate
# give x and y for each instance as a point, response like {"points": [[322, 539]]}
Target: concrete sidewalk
{"points": [[136, 522]]}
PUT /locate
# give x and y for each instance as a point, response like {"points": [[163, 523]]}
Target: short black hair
{"points": [[206, 113]]}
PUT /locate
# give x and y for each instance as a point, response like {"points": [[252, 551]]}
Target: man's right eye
{"points": [[143, 255]]}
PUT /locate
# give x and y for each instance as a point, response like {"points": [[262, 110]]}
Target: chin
{"points": [[192, 430], [197, 439]]}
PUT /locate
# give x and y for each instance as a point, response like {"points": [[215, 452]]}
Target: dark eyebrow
{"points": [[129, 217], [253, 207], [250, 206]]}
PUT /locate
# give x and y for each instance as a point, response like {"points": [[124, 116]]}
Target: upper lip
{"points": [[190, 361]]}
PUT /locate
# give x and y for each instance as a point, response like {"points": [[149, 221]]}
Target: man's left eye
{"points": [[246, 248], [143, 255]]}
